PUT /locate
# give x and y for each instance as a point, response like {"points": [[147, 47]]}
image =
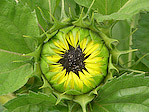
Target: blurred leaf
{"points": [[130, 8], [13, 75], [128, 93], [43, 10], [17, 20], [104, 7], [45, 5], [141, 39], [77, 108], [140, 66], [1, 108], [33, 84], [72, 5], [34, 102], [121, 32], [44, 16]]}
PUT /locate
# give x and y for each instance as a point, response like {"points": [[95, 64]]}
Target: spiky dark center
{"points": [[73, 60]]}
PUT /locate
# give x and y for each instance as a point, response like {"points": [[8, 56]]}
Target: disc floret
{"points": [[73, 60]]}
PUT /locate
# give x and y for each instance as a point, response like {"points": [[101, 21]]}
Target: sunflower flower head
{"points": [[74, 60]]}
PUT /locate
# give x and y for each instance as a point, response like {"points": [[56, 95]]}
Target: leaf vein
{"points": [[10, 52], [15, 68]]}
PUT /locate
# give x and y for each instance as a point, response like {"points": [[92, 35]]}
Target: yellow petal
{"points": [[55, 65], [94, 66], [83, 44], [72, 39], [72, 80], [57, 76], [57, 44], [84, 79], [92, 71], [88, 47], [77, 81], [54, 58], [68, 79], [65, 83], [66, 44], [94, 54], [58, 51], [62, 78], [91, 49], [68, 40], [63, 41], [62, 44], [93, 60], [86, 73], [57, 69], [77, 39], [88, 76]]}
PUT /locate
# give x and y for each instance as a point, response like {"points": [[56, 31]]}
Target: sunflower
{"points": [[75, 60]]}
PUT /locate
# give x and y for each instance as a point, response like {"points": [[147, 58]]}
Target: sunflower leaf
{"points": [[104, 7], [42, 9], [13, 72], [16, 20], [34, 102], [128, 10], [1, 108], [128, 93], [141, 39]]}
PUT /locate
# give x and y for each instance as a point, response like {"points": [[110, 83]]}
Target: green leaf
{"points": [[43, 16], [128, 93], [43, 10], [34, 102], [13, 75], [141, 39], [121, 32], [72, 5], [130, 8], [140, 66], [46, 5], [104, 7], [1, 108], [17, 20]]}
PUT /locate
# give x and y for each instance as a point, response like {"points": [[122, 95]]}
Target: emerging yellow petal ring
{"points": [[75, 61]]}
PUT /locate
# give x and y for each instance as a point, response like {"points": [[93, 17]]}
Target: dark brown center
{"points": [[73, 60]]}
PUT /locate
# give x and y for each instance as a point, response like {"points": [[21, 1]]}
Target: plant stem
{"points": [[70, 105], [130, 44], [50, 9], [132, 26]]}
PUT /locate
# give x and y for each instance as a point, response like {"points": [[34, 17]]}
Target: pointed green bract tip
{"points": [[74, 60]]}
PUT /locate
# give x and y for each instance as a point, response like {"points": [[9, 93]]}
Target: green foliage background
{"points": [[22, 24]]}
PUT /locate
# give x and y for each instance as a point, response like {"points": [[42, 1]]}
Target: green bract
{"points": [[74, 60], [66, 59], [76, 57]]}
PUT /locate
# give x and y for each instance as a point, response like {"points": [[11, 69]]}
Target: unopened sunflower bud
{"points": [[74, 61]]}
